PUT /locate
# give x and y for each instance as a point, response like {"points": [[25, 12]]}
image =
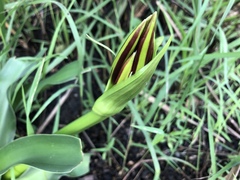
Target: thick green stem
{"points": [[82, 123]]}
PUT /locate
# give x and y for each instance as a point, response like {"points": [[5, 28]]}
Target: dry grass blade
{"points": [[234, 173]]}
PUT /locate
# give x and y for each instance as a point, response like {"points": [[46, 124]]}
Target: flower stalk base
{"points": [[84, 122]]}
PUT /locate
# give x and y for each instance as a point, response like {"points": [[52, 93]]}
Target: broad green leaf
{"points": [[37, 174], [10, 73], [55, 153]]}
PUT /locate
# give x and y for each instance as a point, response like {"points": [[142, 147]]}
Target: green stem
{"points": [[82, 123]]}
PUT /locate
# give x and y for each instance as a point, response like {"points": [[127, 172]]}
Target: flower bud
{"points": [[132, 68]]}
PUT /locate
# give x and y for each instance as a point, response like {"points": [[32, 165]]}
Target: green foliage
{"points": [[13, 70], [19, 93], [187, 116], [47, 152]]}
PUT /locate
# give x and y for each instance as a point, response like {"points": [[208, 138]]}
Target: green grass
{"points": [[188, 115]]}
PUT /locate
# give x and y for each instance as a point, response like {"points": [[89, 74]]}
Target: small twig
{"points": [[230, 130], [209, 86], [138, 164], [140, 11], [233, 173], [91, 143], [39, 18], [54, 111], [13, 32], [233, 132], [161, 7], [119, 126], [128, 145], [138, 174], [21, 42]]}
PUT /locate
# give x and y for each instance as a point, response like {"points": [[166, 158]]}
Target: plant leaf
{"points": [[36, 174], [10, 73], [68, 72], [82, 168], [56, 153]]}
